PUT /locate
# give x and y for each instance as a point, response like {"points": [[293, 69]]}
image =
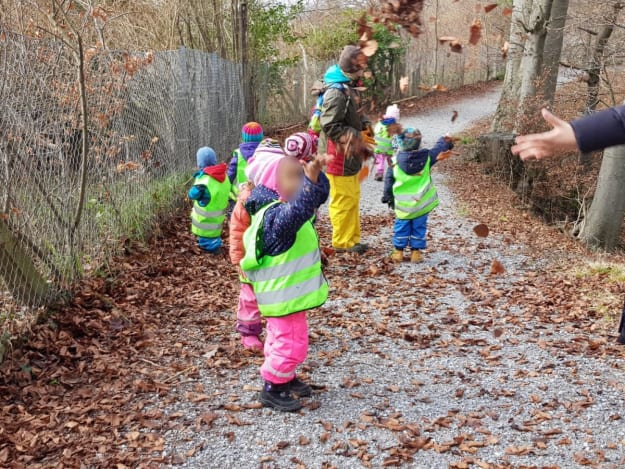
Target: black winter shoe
{"points": [[299, 388], [279, 397]]}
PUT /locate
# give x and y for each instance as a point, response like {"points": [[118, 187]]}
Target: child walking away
{"points": [[283, 263], [248, 316], [408, 188], [251, 136], [384, 140], [210, 194]]}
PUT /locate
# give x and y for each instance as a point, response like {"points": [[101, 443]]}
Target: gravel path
{"points": [[411, 370]]}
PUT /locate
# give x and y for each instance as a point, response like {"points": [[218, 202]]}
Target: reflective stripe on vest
{"points": [[207, 226], [289, 282], [206, 214], [415, 195], [290, 268], [207, 222]]}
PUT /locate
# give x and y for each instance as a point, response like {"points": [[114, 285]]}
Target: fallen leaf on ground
{"points": [[497, 268], [481, 230]]}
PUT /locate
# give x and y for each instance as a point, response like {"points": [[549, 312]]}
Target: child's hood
{"points": [[218, 171], [412, 162], [260, 197], [247, 149]]}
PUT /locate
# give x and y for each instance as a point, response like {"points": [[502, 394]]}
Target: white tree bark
{"points": [[602, 227], [532, 62], [553, 48], [506, 109]]}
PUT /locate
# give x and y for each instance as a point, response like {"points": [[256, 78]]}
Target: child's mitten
{"points": [[390, 201]]}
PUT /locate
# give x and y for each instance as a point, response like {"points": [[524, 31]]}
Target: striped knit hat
{"points": [[252, 132], [299, 145]]}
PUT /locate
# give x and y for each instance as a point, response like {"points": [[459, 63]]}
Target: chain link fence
{"points": [[146, 116]]}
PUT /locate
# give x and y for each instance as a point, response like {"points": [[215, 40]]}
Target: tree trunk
{"points": [[506, 109], [594, 70], [531, 66], [596, 60], [553, 49], [248, 93], [18, 272], [602, 227]]}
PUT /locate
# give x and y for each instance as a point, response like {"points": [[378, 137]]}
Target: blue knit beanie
{"points": [[206, 156], [408, 140]]}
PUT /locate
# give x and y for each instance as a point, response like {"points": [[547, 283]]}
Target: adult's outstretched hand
{"points": [[560, 139]]}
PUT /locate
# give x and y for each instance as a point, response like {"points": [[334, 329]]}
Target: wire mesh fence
{"points": [[146, 116], [72, 187]]}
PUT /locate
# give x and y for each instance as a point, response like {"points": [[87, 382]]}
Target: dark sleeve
{"points": [[441, 146], [389, 180], [232, 168], [283, 221], [600, 130], [333, 115]]}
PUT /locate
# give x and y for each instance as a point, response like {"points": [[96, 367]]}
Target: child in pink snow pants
{"points": [[283, 263], [248, 316]]}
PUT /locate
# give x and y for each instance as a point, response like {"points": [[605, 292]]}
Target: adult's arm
{"points": [[600, 130], [389, 180]]}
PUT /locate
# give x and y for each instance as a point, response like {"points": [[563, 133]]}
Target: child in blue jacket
{"points": [[408, 188], [210, 195]]}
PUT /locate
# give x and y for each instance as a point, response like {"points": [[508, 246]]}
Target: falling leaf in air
{"points": [[369, 48], [507, 11], [454, 116], [481, 230], [476, 32], [403, 84], [490, 7], [497, 268], [504, 49], [364, 30]]}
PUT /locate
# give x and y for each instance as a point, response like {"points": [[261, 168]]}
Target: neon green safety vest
{"points": [[415, 195], [207, 222], [289, 282], [240, 177], [383, 141]]}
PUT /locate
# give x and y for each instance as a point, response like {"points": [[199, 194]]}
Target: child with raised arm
{"points": [[408, 188], [283, 264]]}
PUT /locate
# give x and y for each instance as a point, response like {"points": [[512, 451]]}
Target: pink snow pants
{"points": [[380, 161], [248, 315], [286, 347]]}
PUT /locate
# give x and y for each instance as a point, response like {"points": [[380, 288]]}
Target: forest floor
{"points": [[497, 351]]}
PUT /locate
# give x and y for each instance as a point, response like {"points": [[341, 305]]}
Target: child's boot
{"points": [[279, 397], [397, 255], [416, 256], [299, 388], [251, 342]]}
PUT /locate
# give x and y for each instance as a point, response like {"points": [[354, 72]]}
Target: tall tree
{"points": [[503, 120], [602, 227], [531, 64], [553, 49]]}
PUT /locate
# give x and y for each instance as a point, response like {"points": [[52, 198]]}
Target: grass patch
{"points": [[611, 272]]}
